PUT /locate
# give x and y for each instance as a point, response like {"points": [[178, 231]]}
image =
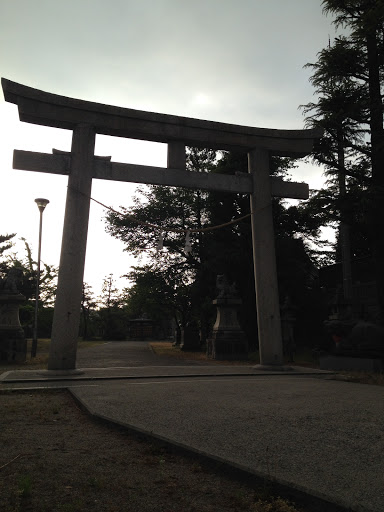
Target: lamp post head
{"points": [[41, 203]]}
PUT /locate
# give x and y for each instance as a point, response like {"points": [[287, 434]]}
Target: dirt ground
{"points": [[55, 458]]}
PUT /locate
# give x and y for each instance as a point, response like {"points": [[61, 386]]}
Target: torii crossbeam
{"points": [[85, 119]]}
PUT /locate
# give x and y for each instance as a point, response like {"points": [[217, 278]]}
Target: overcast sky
{"points": [[236, 61]]}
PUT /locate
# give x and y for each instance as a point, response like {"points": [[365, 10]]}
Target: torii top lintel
{"points": [[48, 109]]}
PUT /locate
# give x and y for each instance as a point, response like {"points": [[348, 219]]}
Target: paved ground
{"points": [[322, 436], [123, 354]]}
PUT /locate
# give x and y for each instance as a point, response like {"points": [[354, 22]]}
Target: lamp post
{"points": [[41, 204]]}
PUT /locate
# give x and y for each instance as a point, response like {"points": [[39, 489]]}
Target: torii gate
{"points": [[86, 119]]}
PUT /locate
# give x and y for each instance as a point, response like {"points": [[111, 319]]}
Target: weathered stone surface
{"points": [[288, 320], [228, 339], [241, 183], [264, 261], [13, 345], [40, 107], [66, 318]]}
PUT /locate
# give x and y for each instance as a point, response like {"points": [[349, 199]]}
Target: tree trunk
{"points": [[377, 187], [344, 227]]}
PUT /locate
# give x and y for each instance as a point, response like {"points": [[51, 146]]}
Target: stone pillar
{"points": [[264, 261], [176, 157], [66, 319], [13, 345]]}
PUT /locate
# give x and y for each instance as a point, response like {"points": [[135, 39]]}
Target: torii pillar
{"points": [[86, 119], [264, 261], [66, 318]]}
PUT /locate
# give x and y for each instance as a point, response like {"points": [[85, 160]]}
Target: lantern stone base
{"points": [[228, 339], [229, 345], [13, 345]]}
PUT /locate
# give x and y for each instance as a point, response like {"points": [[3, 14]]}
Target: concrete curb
{"points": [[316, 502], [81, 374]]}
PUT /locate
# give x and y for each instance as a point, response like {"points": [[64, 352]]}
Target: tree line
{"points": [[102, 316]]}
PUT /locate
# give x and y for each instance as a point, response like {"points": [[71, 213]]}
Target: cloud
{"points": [[235, 61]]}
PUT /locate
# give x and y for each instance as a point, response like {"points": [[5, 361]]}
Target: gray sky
{"points": [[236, 61]]}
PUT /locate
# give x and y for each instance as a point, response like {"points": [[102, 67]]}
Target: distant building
{"points": [[142, 329]]}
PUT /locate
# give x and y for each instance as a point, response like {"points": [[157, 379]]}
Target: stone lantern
{"points": [[228, 339]]}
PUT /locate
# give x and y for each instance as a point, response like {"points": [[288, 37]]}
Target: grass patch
{"points": [[25, 486], [303, 357], [166, 349]]}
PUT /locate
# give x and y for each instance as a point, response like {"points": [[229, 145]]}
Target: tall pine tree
{"points": [[348, 77]]}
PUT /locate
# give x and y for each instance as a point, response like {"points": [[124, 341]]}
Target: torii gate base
{"points": [[86, 119]]}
